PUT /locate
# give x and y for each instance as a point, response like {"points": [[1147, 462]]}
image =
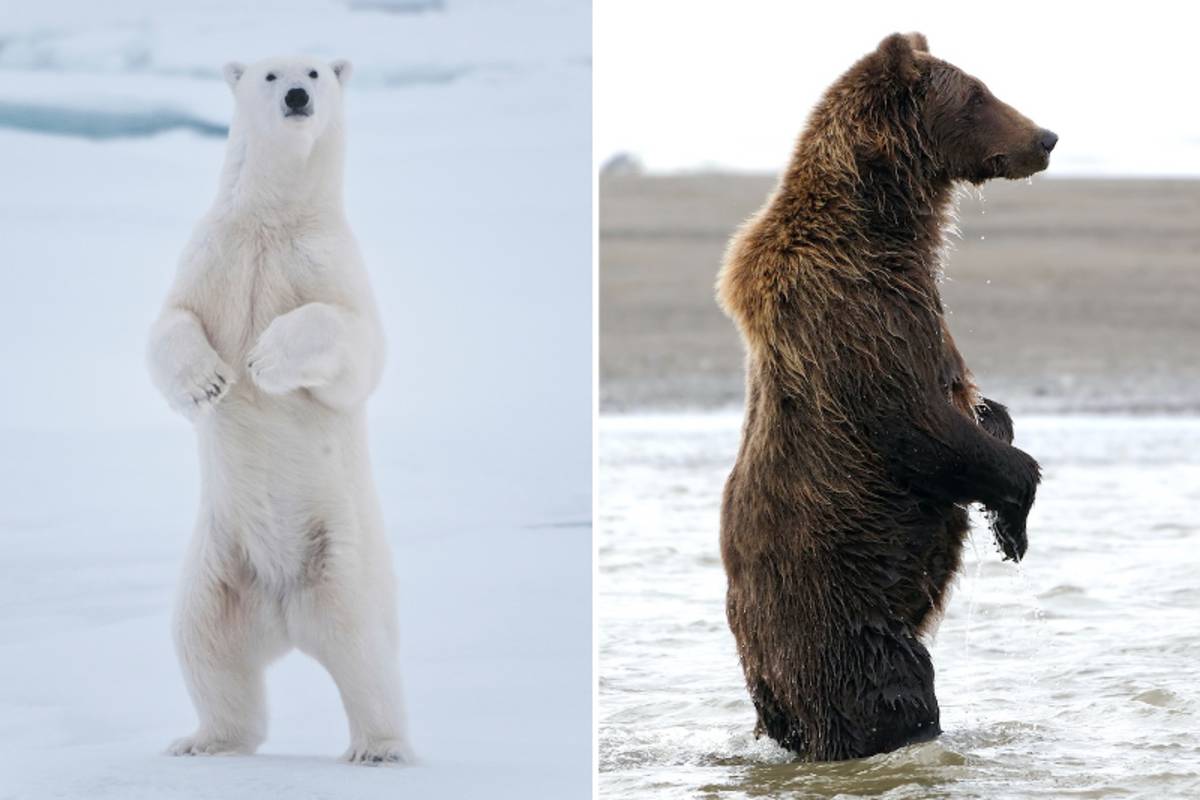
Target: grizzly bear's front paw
{"points": [[994, 418], [1009, 530], [1008, 517]]}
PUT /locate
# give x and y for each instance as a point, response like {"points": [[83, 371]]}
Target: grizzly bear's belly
{"points": [[827, 598]]}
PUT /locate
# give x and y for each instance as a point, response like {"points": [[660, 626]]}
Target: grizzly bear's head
{"points": [[968, 132]]}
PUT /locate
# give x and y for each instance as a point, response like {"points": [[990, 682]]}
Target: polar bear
{"points": [[269, 343]]}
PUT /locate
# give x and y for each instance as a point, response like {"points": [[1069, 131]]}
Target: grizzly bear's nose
{"points": [[1049, 139], [296, 98]]}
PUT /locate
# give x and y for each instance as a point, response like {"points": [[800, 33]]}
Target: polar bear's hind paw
{"points": [[379, 753], [207, 746]]}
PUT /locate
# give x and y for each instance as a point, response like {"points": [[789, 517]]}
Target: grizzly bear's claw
{"points": [[1008, 516], [1010, 535]]}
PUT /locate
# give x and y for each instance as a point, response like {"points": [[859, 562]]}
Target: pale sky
{"points": [[693, 85]]}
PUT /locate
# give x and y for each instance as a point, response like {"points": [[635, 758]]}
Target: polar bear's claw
{"points": [[207, 390], [206, 746], [374, 754]]}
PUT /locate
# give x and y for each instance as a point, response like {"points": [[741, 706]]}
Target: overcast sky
{"points": [[693, 85]]}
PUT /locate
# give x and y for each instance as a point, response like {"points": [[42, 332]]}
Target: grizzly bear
{"points": [[865, 437]]}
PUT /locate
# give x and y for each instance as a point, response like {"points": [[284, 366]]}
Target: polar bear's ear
{"points": [[343, 69], [233, 73]]}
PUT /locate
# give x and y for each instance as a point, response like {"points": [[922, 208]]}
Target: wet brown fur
{"points": [[865, 437]]}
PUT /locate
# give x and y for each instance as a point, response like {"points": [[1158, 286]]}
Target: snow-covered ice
{"points": [[468, 186]]}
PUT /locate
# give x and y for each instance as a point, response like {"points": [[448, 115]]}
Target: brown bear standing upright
{"points": [[844, 517]]}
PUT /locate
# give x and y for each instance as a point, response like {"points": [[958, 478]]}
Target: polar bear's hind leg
{"points": [[349, 625], [225, 636]]}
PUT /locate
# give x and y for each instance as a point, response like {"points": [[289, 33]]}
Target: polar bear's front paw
{"points": [[379, 752], [270, 370], [276, 371], [201, 745], [297, 350], [202, 387]]}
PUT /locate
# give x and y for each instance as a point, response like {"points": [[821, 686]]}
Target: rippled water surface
{"points": [[1073, 675]]}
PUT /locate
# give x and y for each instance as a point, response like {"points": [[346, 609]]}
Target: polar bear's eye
{"points": [[270, 76], [312, 74]]}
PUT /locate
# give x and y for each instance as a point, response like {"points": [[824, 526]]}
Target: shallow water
{"points": [[1073, 675]]}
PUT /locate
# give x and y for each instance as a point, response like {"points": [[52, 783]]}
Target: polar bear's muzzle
{"points": [[298, 103]]}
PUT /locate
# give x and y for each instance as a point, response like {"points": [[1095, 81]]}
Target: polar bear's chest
{"points": [[247, 286]]}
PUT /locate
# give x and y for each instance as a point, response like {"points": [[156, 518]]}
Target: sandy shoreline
{"points": [[1066, 295]]}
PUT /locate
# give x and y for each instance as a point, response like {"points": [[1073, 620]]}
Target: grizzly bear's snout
{"points": [[1033, 158], [1026, 161]]}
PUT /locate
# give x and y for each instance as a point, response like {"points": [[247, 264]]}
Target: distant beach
{"points": [[1064, 295]]}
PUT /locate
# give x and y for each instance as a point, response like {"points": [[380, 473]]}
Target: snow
{"points": [[468, 185]]}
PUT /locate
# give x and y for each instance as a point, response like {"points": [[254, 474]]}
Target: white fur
{"points": [[270, 343]]}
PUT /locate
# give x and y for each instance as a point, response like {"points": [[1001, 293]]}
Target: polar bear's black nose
{"points": [[296, 98]]}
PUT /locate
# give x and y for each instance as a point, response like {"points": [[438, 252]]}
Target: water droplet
{"points": [[981, 238]]}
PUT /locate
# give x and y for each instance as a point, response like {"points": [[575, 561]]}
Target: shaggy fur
{"points": [[270, 343], [865, 437]]}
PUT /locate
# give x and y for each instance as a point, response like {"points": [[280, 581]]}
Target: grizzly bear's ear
{"points": [[898, 56], [918, 41]]}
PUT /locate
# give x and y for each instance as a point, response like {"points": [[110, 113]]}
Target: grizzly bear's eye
{"points": [[312, 74], [270, 76]]}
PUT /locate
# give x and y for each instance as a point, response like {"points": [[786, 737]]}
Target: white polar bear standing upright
{"points": [[270, 342]]}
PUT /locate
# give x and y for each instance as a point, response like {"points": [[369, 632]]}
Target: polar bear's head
{"points": [[281, 96]]}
